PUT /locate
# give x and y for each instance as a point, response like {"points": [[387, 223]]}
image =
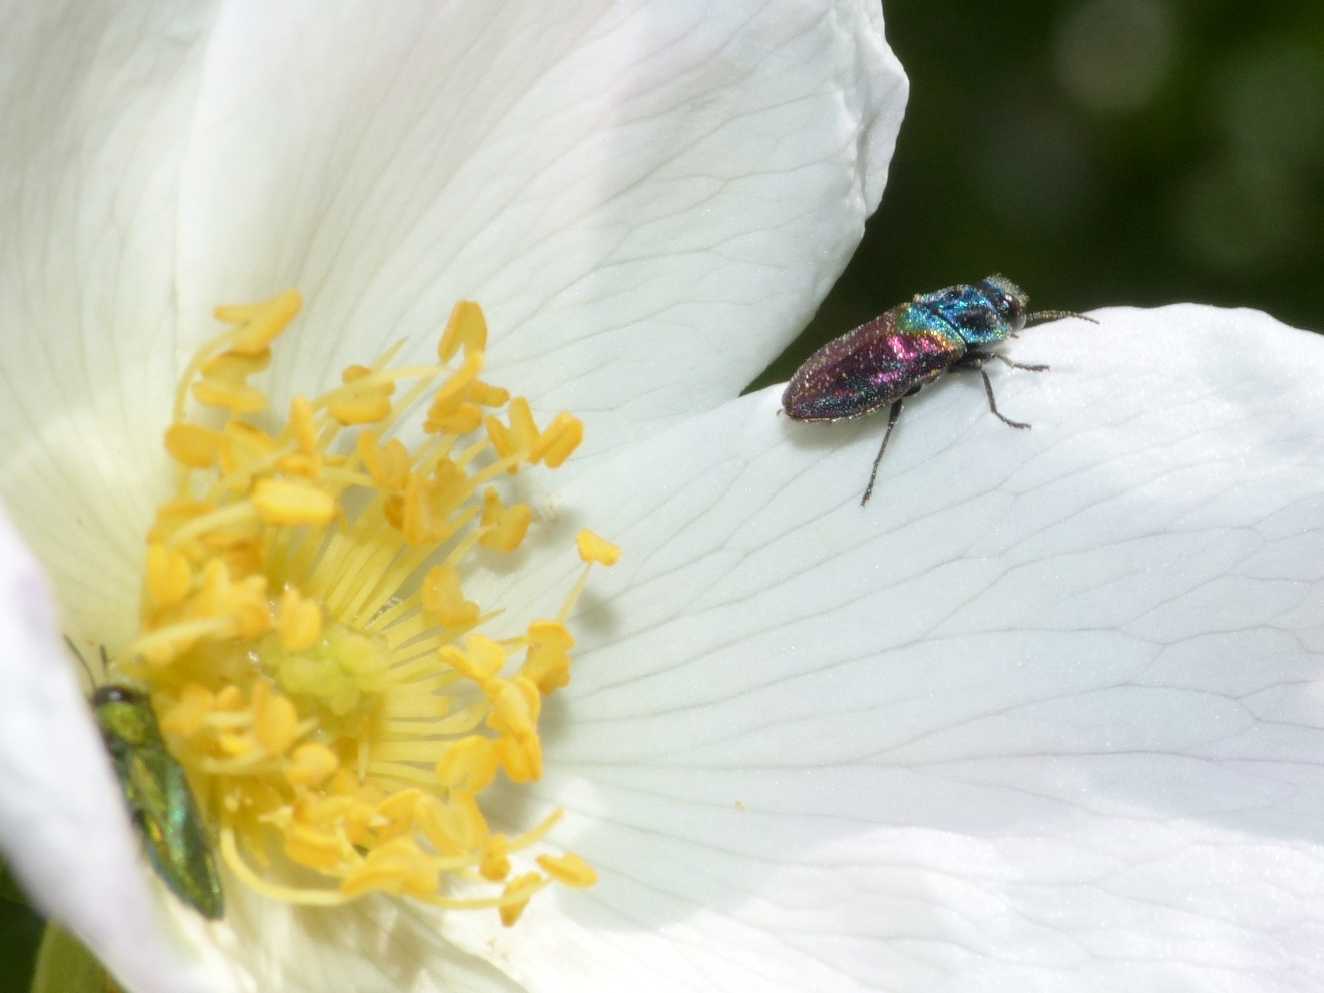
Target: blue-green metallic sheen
{"points": [[970, 315], [159, 798]]}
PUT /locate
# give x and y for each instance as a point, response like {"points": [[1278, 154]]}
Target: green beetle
{"points": [[160, 800]]}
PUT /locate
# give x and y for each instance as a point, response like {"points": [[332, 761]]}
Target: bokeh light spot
{"points": [[1112, 55]]}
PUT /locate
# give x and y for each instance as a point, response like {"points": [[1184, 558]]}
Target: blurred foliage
{"points": [[20, 934], [1100, 152]]}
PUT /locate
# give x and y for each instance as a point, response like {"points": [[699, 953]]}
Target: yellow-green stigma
{"points": [[306, 638]]}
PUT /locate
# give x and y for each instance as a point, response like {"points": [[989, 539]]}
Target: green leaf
{"points": [[65, 966]]}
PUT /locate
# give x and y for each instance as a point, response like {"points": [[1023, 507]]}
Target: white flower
{"points": [[1044, 716], [648, 200]]}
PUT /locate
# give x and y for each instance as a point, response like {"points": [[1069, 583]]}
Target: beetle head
{"points": [[1008, 299]]}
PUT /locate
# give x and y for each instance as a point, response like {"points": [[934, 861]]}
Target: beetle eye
{"points": [[112, 693], [1009, 307]]}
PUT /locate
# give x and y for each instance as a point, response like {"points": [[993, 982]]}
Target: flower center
{"points": [[338, 702]]}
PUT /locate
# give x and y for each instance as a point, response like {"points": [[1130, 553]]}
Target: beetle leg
{"points": [[993, 404], [975, 361], [892, 415], [1017, 365]]}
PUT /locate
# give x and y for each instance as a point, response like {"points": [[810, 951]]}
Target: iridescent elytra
{"points": [[157, 793], [893, 356]]}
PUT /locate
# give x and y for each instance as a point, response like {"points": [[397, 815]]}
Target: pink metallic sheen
{"points": [[867, 369]]}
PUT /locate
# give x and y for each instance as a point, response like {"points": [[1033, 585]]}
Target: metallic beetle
{"points": [[885, 360]]}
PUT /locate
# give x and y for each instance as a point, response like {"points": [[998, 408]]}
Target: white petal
{"points": [[1047, 715], [378, 945], [96, 106], [63, 828], [648, 198]]}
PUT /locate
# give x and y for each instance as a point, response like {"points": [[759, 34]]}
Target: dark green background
{"points": [[1104, 152], [1097, 152]]}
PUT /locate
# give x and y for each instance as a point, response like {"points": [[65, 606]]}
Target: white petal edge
{"points": [[1047, 715], [96, 102], [649, 199], [63, 828]]}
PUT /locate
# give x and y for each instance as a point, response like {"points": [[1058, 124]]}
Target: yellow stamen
{"points": [[300, 624], [259, 324], [547, 664], [593, 548], [306, 635], [292, 501], [468, 765], [495, 864], [523, 430], [569, 869], [505, 527], [518, 892], [193, 445], [556, 444], [277, 723], [169, 575], [444, 600], [520, 758], [466, 328], [311, 764], [302, 425], [264, 322]]}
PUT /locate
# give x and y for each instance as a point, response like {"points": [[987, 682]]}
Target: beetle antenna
{"points": [[92, 680], [1053, 315], [105, 662]]}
